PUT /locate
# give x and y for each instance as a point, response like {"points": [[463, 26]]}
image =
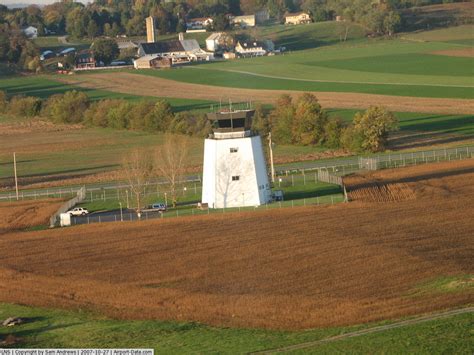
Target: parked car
{"points": [[158, 207], [78, 211]]}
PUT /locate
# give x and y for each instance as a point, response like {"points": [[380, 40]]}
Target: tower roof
{"points": [[231, 121]]}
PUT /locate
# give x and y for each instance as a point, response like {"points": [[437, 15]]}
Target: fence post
{"points": [[332, 200]]}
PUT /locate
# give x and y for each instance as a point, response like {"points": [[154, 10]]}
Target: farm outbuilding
{"points": [[152, 62], [180, 51]]}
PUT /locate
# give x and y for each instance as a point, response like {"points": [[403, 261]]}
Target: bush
{"points": [[24, 106], [333, 132], [67, 108], [3, 102]]}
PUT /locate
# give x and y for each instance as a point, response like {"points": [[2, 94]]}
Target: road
{"points": [[114, 216], [358, 333]]}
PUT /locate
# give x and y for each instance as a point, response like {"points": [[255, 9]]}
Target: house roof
{"points": [[252, 44], [214, 36]]}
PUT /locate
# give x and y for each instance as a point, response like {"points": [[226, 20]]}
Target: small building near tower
{"points": [[235, 172]]}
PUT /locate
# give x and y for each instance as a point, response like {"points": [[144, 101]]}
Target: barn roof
{"points": [[162, 47]]}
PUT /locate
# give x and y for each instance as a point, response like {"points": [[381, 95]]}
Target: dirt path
{"points": [[129, 83], [362, 332]]}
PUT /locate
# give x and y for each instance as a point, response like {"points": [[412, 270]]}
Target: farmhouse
{"points": [[254, 48], [199, 23], [30, 32], [180, 51], [152, 62], [297, 18], [243, 21], [85, 60]]}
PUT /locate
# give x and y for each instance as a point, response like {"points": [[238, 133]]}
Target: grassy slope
{"points": [[60, 329], [406, 63]]}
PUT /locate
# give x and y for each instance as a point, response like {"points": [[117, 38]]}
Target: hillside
{"points": [[442, 15], [292, 268]]}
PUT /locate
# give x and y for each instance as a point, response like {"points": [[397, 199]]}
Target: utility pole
{"points": [[16, 177], [270, 145]]}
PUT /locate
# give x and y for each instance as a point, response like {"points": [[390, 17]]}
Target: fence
{"points": [[130, 216], [81, 194], [336, 167]]}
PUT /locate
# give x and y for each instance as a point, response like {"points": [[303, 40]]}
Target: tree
{"points": [[374, 126], [137, 168], [92, 29], [105, 50], [171, 161], [67, 108], [391, 22], [281, 120], [309, 121], [333, 132]]}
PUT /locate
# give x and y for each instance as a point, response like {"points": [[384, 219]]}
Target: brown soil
{"points": [[24, 214], [465, 52], [158, 87], [289, 268]]}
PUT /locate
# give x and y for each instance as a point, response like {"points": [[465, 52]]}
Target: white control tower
{"points": [[235, 173]]}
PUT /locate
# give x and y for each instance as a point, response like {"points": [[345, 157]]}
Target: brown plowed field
{"points": [[289, 268], [25, 214], [153, 86]]}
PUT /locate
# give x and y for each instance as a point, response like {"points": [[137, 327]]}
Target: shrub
{"points": [[333, 132], [67, 108], [24, 106], [374, 125], [3, 102]]}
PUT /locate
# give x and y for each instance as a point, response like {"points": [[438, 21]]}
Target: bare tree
{"points": [[137, 169], [171, 161]]}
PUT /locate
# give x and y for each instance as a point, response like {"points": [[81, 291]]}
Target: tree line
{"points": [[291, 122], [114, 17]]}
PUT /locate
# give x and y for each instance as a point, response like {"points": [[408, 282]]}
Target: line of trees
{"points": [[114, 17], [297, 122], [305, 122], [76, 107]]}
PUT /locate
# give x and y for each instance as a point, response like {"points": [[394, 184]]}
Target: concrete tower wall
{"points": [[235, 173]]}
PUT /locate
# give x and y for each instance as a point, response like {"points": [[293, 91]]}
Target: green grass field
{"points": [[52, 328], [44, 86], [404, 67]]}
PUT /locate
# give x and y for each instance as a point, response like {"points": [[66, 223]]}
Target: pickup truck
{"points": [[78, 211]]}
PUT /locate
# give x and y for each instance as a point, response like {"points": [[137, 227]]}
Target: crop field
{"points": [[26, 214], [301, 268]]}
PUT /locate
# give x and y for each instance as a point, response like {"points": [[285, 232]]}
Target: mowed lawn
{"points": [[401, 67], [56, 328], [43, 86]]}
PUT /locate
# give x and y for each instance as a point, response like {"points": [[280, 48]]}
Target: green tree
{"points": [[391, 23], [92, 29], [261, 122], [309, 121], [374, 125], [333, 132], [105, 50], [281, 120]]}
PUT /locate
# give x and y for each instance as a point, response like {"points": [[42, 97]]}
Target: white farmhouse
{"points": [[250, 49], [235, 173]]}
